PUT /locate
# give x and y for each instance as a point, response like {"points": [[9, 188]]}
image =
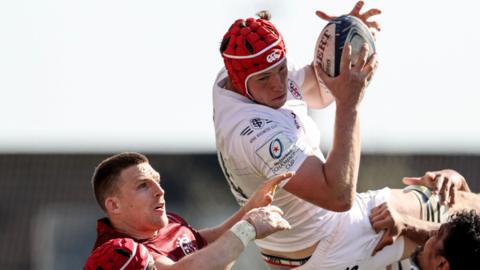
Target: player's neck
{"points": [[132, 230]]}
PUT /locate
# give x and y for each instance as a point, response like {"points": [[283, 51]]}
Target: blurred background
{"points": [[81, 80]]}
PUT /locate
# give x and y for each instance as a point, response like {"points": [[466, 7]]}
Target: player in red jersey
{"points": [[128, 189]]}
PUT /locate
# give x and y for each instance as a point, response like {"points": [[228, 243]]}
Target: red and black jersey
{"points": [[174, 241]]}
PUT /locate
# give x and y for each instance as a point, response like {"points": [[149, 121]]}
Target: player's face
{"points": [[428, 256], [270, 87], [141, 198]]}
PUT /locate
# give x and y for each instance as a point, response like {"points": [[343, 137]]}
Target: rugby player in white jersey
{"points": [[262, 129]]}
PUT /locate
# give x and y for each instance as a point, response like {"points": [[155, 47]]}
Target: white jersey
{"points": [[256, 142], [350, 245]]}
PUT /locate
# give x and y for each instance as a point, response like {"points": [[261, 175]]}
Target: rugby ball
{"points": [[330, 42]]}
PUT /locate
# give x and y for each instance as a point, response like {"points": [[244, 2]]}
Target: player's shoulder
{"points": [[296, 76], [254, 116], [256, 125], [174, 218]]}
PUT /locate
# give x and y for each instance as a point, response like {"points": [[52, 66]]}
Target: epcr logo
{"points": [[274, 56], [276, 148]]}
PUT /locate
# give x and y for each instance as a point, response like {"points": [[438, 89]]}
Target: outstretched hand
{"points": [[267, 220], [445, 183], [384, 217], [263, 196], [349, 86], [356, 11]]}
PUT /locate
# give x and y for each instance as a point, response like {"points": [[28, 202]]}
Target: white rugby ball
{"points": [[330, 42]]}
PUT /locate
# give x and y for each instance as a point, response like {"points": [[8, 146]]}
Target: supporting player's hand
{"points": [[349, 86], [445, 183], [267, 220], [384, 217], [263, 196], [356, 11]]}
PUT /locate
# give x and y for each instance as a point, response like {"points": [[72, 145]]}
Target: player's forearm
{"points": [[212, 234], [343, 161], [465, 201], [311, 89], [418, 230], [313, 94], [216, 256]]}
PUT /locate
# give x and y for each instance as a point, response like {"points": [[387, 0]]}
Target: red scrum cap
{"points": [[250, 47], [120, 253]]}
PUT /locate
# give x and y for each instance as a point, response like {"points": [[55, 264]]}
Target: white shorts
{"points": [[350, 246]]}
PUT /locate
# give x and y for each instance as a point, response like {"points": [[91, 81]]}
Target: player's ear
{"points": [[112, 205], [440, 263]]}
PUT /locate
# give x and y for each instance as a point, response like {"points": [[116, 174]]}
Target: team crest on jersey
{"points": [[279, 153], [293, 88], [185, 244]]}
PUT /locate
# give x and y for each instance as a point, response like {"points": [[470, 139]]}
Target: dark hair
{"points": [[461, 245], [106, 173]]}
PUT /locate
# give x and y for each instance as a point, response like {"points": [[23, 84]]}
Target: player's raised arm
{"points": [[332, 185]]}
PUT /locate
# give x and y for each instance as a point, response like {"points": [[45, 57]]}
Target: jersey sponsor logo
{"points": [[254, 124], [185, 244], [279, 153], [274, 56], [353, 268], [258, 123], [293, 88]]}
